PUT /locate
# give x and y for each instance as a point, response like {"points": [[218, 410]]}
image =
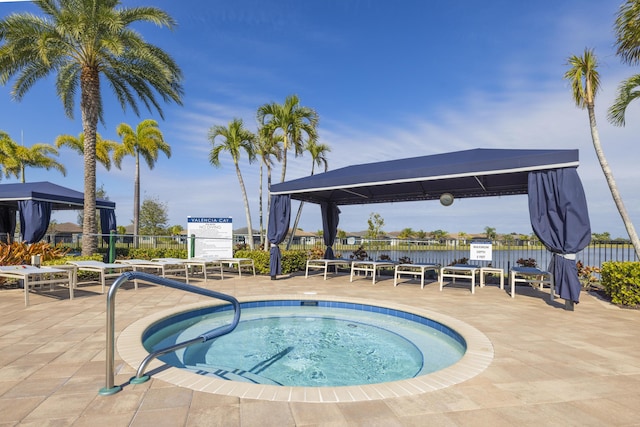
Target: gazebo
{"points": [[557, 204], [34, 202]]}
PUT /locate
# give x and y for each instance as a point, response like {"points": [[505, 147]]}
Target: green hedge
{"points": [[292, 261], [621, 281]]}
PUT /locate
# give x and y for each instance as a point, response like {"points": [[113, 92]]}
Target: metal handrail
{"points": [[110, 387]]}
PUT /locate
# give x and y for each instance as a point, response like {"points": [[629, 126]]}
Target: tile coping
{"points": [[476, 359]]}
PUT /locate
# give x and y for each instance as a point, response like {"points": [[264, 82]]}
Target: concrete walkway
{"points": [[551, 367]]}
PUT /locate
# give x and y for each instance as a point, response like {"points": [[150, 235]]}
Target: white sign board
{"points": [[480, 251], [213, 237]]}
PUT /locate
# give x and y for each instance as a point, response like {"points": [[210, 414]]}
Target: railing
{"points": [[110, 387], [446, 251], [505, 254]]}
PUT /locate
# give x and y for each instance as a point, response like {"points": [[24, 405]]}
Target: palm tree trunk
{"points": [[612, 183], [284, 163], [89, 106], [266, 228], [246, 206], [136, 200], [262, 237]]}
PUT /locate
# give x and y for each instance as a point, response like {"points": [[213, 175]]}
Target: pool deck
{"points": [[551, 367]]}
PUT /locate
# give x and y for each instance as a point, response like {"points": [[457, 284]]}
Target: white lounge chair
{"points": [[533, 276], [369, 267], [240, 263], [414, 270], [164, 267], [203, 263], [323, 264], [106, 270], [38, 276], [460, 271]]}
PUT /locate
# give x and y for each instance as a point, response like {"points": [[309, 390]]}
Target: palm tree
{"points": [[267, 146], [104, 147], [293, 121], [490, 232], [81, 41], [318, 157], [585, 82], [234, 139], [145, 141], [406, 233], [38, 156], [6, 152]]}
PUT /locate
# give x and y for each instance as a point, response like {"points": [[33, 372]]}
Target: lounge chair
{"points": [[323, 264], [532, 276], [106, 270], [369, 267], [414, 270], [460, 271], [240, 263], [164, 267], [203, 263], [37, 276]]}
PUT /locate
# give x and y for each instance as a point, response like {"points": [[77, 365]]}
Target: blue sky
{"points": [[388, 80]]}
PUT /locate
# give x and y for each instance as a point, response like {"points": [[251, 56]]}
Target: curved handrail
{"points": [[110, 387]]}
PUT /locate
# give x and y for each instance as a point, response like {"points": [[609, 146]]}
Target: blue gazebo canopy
{"points": [[35, 200], [61, 198], [557, 204], [479, 172]]}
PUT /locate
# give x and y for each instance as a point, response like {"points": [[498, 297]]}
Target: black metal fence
{"points": [[505, 254]]}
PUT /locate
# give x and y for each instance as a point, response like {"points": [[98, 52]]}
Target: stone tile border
{"points": [[476, 359]]}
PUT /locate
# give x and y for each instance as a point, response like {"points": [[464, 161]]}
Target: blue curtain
{"points": [[34, 219], [330, 219], [279, 218], [107, 222], [7, 224], [560, 219]]}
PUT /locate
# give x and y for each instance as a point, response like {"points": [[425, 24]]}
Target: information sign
{"points": [[213, 237], [480, 251]]}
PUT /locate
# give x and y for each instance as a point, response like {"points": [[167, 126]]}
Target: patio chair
{"points": [[32, 276], [532, 276], [164, 267], [106, 270]]}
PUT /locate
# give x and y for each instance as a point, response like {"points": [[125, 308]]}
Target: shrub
{"points": [[150, 253], [316, 252], [359, 254], [260, 259], [587, 274], [529, 262], [17, 253], [621, 282], [292, 261]]}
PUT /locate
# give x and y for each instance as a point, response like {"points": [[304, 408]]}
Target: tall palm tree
{"points": [[145, 141], [267, 147], [82, 41], [36, 156], [293, 121], [235, 138], [318, 157], [104, 147], [585, 82]]}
